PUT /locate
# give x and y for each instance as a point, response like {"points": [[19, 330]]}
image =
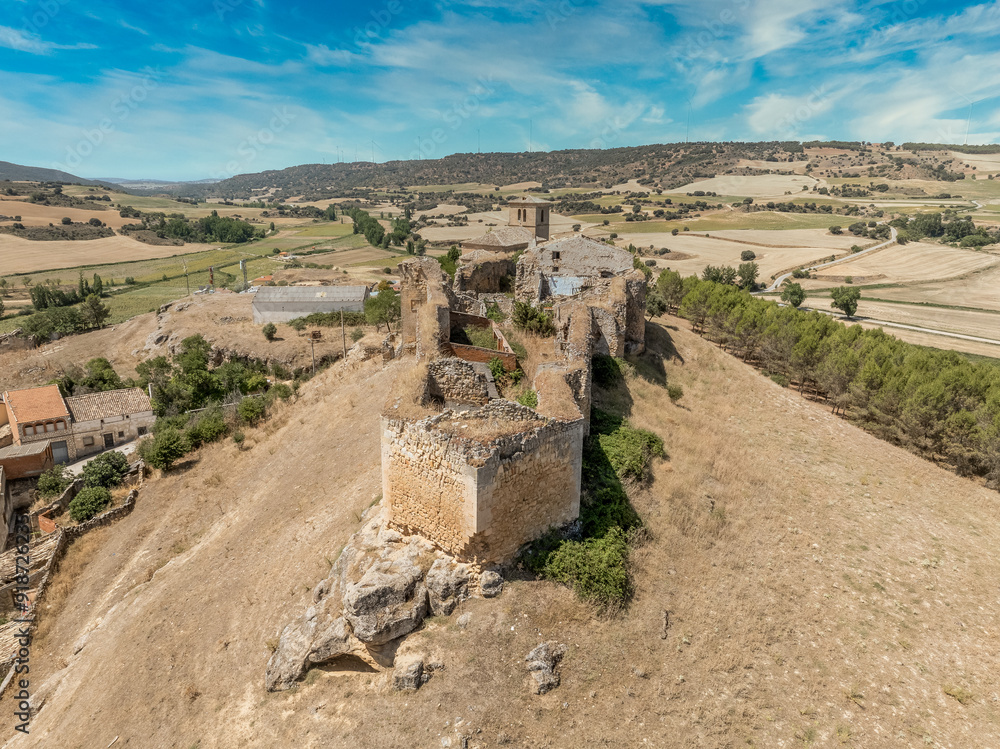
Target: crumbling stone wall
{"points": [[532, 486], [482, 500], [425, 302], [483, 272], [455, 380], [427, 483]]}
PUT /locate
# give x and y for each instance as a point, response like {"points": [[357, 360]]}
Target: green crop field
{"points": [[326, 230]]}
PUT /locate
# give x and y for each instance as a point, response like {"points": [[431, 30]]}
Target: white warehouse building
{"points": [[284, 303]]}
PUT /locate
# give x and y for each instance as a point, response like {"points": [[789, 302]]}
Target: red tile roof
{"points": [[36, 404]]}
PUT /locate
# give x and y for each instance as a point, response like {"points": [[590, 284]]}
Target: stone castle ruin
{"points": [[477, 475], [468, 477]]}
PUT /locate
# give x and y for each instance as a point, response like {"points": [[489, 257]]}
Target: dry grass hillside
{"points": [[822, 588], [226, 321]]}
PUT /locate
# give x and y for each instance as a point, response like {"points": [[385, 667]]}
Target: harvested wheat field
{"points": [[696, 250], [820, 587], [963, 322], [818, 238], [36, 214], [755, 186], [915, 261], [19, 255], [977, 289]]}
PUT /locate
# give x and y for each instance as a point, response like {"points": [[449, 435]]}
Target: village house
{"points": [[73, 427], [38, 415], [102, 420]]}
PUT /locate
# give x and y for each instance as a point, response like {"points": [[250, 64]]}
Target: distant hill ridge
{"points": [[662, 166], [20, 173]]}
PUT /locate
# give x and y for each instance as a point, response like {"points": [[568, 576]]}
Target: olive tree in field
{"points": [[846, 299], [793, 294]]}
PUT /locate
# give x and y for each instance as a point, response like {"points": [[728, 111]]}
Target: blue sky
{"points": [[210, 88]]}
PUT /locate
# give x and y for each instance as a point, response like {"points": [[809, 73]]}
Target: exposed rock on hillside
{"points": [[381, 588]]}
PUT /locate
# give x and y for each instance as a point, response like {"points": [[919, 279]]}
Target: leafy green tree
{"points": [[846, 299], [670, 286], [747, 275], [4, 287], [98, 286], [270, 331], [1, 308], [723, 274], [655, 304], [383, 308], [93, 312], [793, 294], [53, 482], [748, 255], [166, 448]]}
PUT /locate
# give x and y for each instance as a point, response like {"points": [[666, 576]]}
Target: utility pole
{"points": [[314, 335], [187, 280]]}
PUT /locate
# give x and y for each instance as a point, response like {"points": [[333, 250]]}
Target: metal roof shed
{"points": [[285, 303]]}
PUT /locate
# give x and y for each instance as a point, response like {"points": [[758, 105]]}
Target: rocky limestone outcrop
{"points": [[380, 589], [542, 662]]}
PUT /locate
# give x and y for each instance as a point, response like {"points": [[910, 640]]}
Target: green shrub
{"points": [[270, 331], [107, 470], [88, 503], [281, 391], [624, 448], [533, 319], [238, 438], [780, 379], [210, 426], [675, 392], [630, 449], [357, 334], [528, 398], [596, 569], [748, 255], [54, 481], [166, 448], [497, 369], [251, 410], [494, 313]]}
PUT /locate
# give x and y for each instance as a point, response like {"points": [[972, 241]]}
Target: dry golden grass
{"points": [[821, 587], [226, 320]]}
